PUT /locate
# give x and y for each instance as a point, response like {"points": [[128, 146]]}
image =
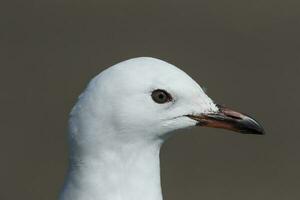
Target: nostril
{"points": [[232, 114], [235, 117]]}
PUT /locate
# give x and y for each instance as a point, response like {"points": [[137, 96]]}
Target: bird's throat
{"points": [[124, 171]]}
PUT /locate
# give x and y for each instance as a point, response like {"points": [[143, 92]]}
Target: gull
{"points": [[122, 118]]}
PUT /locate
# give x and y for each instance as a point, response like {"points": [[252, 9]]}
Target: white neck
{"points": [[117, 171]]}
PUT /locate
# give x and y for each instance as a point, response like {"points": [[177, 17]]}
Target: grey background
{"points": [[245, 52]]}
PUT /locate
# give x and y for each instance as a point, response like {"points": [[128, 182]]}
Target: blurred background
{"points": [[245, 52]]}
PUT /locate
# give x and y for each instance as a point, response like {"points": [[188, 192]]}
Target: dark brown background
{"points": [[245, 52]]}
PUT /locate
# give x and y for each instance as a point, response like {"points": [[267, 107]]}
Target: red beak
{"points": [[229, 119]]}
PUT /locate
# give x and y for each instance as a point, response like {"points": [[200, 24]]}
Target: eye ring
{"points": [[161, 96]]}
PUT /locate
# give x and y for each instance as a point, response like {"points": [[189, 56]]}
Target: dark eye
{"points": [[161, 96]]}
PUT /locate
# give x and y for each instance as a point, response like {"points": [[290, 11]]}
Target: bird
{"points": [[121, 120]]}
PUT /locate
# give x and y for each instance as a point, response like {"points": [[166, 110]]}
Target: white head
{"points": [[122, 118], [144, 99]]}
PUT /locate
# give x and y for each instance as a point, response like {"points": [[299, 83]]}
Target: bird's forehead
{"points": [[150, 73]]}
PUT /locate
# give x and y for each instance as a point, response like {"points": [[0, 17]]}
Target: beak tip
{"points": [[261, 131], [255, 132], [250, 126]]}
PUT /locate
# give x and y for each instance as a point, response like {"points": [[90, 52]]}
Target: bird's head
{"points": [[149, 98]]}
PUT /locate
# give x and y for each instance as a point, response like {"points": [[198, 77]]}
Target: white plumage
{"points": [[117, 129]]}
